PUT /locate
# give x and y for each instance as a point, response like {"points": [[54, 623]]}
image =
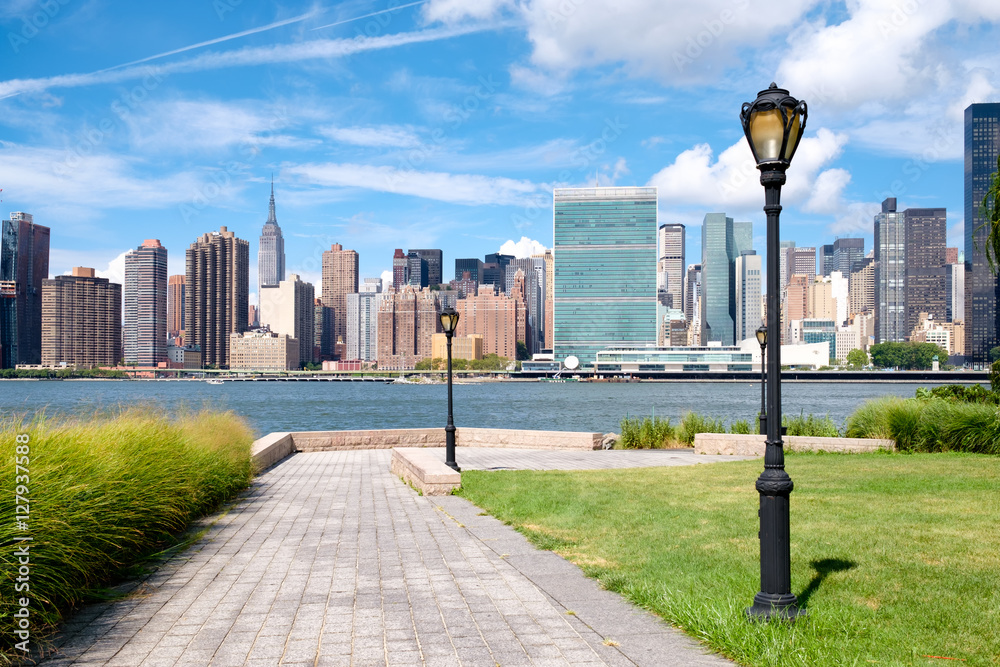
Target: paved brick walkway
{"points": [[330, 560]]}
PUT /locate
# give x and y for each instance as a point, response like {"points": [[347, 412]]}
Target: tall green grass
{"points": [[106, 492], [929, 425], [646, 433]]}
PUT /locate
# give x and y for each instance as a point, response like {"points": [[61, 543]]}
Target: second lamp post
{"points": [[449, 321]]}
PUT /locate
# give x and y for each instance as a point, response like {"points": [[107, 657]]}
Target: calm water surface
{"points": [[571, 406]]}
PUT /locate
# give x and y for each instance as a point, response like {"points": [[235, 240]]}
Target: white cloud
{"points": [[733, 182], [386, 280], [470, 189], [115, 270], [382, 136], [828, 191], [521, 249], [195, 125], [315, 49], [451, 11]]}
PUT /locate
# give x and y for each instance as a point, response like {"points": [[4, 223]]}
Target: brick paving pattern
{"points": [[330, 560]]}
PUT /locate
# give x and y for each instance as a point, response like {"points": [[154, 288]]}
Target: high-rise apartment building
{"points": [[501, 320], [289, 308], [670, 267], [432, 261], [783, 246], [796, 304], [748, 291], [217, 298], [926, 237], [861, 287], [954, 292], [982, 146], [24, 265], [692, 291], [362, 320], [534, 297], [146, 304], [399, 263], [800, 261], [175, 306], [323, 338], [890, 274], [407, 319], [340, 278], [271, 255], [548, 325], [825, 258], [604, 271], [81, 320]]}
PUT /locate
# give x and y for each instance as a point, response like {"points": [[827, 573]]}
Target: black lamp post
{"points": [[449, 320], [762, 340], [773, 124]]}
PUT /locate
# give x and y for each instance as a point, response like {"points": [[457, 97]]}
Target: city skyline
{"points": [[444, 125]]}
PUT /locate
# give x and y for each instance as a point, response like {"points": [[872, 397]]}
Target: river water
{"points": [[315, 406]]}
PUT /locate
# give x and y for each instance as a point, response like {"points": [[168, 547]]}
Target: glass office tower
{"points": [[982, 145], [605, 270]]}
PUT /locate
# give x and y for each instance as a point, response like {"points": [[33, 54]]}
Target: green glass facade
{"points": [[604, 270]]}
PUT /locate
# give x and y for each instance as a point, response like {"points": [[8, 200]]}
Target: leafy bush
{"points": [[811, 426], [106, 493], [646, 433], [692, 423], [973, 393], [741, 426], [929, 424]]}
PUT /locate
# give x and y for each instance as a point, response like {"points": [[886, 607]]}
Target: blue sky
{"points": [[446, 123]]}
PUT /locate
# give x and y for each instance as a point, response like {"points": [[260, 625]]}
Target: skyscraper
{"points": [[494, 271], [748, 291], [81, 320], [783, 246], [692, 291], [472, 265], [846, 253], [340, 278], [926, 232], [800, 261], [416, 270], [324, 330], [146, 304], [722, 241], [362, 320], [548, 325], [399, 268], [433, 260], [954, 291], [24, 264], [890, 274], [534, 297], [670, 268], [288, 308], [271, 255], [217, 297], [825, 259], [175, 305], [604, 271], [498, 318], [982, 146]]}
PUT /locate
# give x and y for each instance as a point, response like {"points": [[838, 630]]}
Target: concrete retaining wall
{"points": [[424, 471], [753, 445], [275, 446]]}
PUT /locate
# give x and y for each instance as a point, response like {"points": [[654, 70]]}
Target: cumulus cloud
{"points": [[115, 270], [386, 279], [521, 249], [732, 180]]}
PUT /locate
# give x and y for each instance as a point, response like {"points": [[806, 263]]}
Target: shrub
{"points": [[646, 433], [929, 425], [811, 426], [692, 423], [973, 393], [106, 493], [741, 426]]}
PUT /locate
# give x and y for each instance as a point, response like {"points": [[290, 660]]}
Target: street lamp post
{"points": [[773, 124], [449, 320], [762, 340]]}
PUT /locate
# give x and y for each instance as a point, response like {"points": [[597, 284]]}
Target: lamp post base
{"points": [[767, 606]]}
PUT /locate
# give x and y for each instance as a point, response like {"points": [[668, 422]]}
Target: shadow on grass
{"points": [[823, 567]]}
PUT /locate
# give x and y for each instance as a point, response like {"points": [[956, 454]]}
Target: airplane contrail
{"points": [[381, 11]]}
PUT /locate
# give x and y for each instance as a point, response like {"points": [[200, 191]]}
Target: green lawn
{"points": [[896, 557]]}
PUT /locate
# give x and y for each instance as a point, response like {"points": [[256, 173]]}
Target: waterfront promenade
{"points": [[330, 560]]}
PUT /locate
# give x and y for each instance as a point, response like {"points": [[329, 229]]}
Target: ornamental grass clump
{"points": [[646, 433], [104, 494], [811, 426], [693, 423], [929, 424]]}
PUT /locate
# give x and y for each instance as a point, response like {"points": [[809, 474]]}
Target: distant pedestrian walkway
{"points": [[330, 560]]}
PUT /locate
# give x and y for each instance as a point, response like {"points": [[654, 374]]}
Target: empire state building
{"points": [[271, 256]]}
